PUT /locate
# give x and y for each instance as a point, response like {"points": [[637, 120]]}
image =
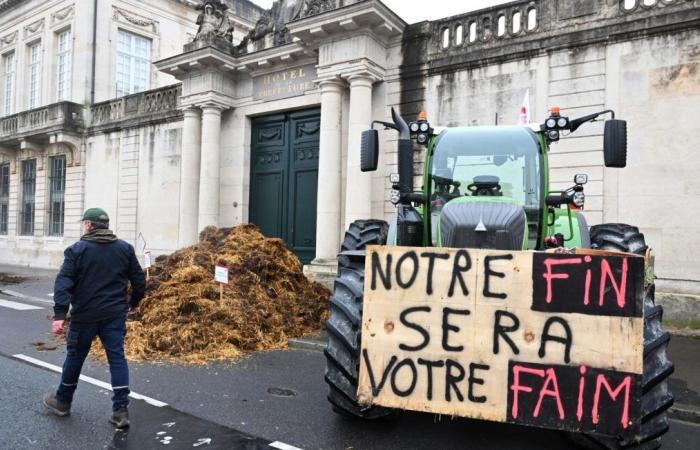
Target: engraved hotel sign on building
{"points": [[287, 83]]}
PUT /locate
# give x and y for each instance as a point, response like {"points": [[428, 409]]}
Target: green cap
{"points": [[96, 215]]}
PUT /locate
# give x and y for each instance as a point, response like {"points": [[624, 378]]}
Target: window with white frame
{"points": [[35, 75], [133, 63], [65, 64], [10, 63]]}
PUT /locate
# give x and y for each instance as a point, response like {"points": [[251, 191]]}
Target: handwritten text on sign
{"points": [[550, 340]]}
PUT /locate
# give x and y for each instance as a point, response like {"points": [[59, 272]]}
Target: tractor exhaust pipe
{"points": [[405, 154]]}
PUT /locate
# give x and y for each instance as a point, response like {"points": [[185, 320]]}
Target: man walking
{"points": [[93, 281]]}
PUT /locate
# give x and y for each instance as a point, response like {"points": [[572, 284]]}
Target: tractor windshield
{"points": [[500, 162]]}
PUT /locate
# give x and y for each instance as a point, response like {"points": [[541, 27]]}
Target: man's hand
{"points": [[57, 326], [133, 313]]}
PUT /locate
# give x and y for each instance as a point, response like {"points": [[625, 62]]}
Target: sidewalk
{"points": [[683, 351]]}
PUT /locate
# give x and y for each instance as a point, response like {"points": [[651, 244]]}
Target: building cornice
{"points": [[6, 5]]}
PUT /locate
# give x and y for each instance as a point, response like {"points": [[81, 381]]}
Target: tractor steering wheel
{"points": [[486, 185]]}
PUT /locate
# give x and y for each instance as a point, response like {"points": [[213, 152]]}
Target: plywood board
{"points": [[551, 340]]}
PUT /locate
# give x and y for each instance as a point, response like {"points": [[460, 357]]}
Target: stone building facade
{"points": [[255, 116]]}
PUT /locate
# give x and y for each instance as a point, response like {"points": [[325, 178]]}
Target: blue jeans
{"points": [[79, 339]]}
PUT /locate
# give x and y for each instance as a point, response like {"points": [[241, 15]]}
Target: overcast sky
{"points": [[417, 10]]}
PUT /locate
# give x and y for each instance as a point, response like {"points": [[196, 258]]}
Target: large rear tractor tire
{"points": [[656, 396], [344, 325]]}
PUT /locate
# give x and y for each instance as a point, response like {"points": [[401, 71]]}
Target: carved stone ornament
{"points": [[120, 14], [214, 21], [62, 14], [34, 28], [274, 22], [8, 39], [313, 7]]}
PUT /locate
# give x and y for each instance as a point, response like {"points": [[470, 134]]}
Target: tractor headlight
{"points": [[394, 178], [563, 122], [551, 123], [422, 138], [579, 199], [414, 127], [424, 127], [553, 135], [395, 197], [581, 178]]}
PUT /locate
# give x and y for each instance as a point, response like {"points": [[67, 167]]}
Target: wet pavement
{"points": [[274, 396]]}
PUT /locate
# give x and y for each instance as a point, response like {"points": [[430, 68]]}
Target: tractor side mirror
{"points": [[369, 153], [615, 143]]}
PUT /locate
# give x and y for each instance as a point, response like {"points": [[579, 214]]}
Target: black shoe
{"points": [[55, 405], [120, 419]]}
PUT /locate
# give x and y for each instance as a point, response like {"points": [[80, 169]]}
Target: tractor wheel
{"points": [[344, 325], [656, 396]]}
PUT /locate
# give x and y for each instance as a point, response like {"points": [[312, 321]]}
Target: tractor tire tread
{"points": [[344, 325]]}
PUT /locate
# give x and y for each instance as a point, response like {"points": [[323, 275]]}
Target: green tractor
{"points": [[488, 188]]}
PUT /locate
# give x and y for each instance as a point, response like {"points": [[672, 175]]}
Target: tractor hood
{"points": [[483, 222]]}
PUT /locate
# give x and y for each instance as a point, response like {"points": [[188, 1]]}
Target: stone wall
{"points": [[583, 56]]}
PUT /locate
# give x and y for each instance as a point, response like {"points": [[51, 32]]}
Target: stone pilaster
{"points": [[358, 197], [209, 170], [329, 170], [189, 177]]}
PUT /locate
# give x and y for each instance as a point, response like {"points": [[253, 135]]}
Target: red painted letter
{"points": [[551, 378], [600, 381], [516, 388], [620, 289], [549, 276]]}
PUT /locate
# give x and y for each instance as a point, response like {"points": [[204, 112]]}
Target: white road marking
{"points": [[18, 306], [102, 384], [26, 297], [283, 446]]}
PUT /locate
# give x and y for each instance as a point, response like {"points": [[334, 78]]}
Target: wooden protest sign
{"points": [[543, 339]]}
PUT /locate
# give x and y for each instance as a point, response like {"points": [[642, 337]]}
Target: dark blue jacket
{"points": [[94, 279]]}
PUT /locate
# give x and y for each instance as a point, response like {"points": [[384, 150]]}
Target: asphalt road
{"points": [[275, 396]]}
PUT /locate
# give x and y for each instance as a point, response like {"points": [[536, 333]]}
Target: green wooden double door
{"points": [[284, 179]]}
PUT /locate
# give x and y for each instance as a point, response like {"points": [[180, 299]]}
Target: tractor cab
{"points": [[486, 188]]}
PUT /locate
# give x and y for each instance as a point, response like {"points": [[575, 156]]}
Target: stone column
{"points": [[189, 177], [358, 196], [329, 172], [209, 174]]}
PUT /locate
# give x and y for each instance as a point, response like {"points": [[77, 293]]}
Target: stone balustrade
{"points": [[63, 116], [162, 101], [526, 19]]}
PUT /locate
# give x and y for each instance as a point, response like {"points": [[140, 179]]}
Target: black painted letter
{"points": [[500, 330], [447, 327], [431, 267], [488, 273], [562, 340], [452, 380], [457, 270], [377, 268], [429, 365], [413, 257], [473, 367], [415, 326], [414, 378], [372, 381]]}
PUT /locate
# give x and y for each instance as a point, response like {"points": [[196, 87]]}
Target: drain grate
{"points": [[281, 392]]}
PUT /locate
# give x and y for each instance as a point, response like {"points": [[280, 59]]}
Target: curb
{"points": [[685, 413], [307, 344]]}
